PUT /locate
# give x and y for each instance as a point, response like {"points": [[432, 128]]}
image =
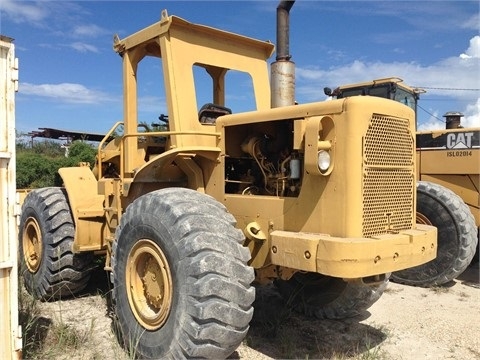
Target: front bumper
{"points": [[354, 257]]}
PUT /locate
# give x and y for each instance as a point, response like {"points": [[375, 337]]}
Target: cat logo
{"points": [[459, 140]]}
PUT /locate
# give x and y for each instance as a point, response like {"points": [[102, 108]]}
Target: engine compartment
{"points": [[260, 160]]}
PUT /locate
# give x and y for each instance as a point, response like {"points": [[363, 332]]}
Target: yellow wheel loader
{"points": [[317, 198], [448, 197]]}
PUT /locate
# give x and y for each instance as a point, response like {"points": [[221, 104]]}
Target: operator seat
{"points": [[209, 113]]}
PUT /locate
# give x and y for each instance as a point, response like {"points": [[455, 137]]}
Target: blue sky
{"points": [[70, 78]]}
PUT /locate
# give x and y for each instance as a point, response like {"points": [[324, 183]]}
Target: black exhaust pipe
{"points": [[283, 70], [283, 30]]}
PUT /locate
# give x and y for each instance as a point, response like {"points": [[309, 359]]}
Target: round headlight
{"points": [[323, 160]]}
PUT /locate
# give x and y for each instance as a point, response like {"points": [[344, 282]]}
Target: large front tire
{"points": [[457, 237], [182, 286], [326, 297], [49, 267]]}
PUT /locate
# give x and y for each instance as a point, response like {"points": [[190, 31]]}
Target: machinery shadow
{"points": [[279, 332]]}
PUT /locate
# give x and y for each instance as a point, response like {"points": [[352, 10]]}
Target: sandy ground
{"points": [[406, 323]]}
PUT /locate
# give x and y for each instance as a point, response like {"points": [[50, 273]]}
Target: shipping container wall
{"points": [[10, 331]]}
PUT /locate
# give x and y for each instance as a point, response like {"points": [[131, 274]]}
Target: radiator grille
{"points": [[388, 180], [388, 142], [388, 201]]}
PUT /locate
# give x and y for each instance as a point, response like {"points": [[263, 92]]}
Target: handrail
{"points": [[100, 146], [163, 133]]}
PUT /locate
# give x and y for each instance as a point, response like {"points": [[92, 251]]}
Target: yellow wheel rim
{"points": [[149, 284], [32, 244], [422, 219]]}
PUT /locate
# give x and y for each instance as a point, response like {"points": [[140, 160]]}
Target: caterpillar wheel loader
{"points": [[317, 198], [448, 194]]}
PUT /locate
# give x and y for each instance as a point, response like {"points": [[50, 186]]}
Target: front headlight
{"points": [[319, 145], [324, 160]]}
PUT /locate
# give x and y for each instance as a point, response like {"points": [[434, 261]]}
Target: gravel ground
{"points": [[406, 323]]}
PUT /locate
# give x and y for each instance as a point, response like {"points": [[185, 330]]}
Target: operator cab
{"points": [[388, 88]]}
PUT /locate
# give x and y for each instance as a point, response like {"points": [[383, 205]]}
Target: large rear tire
{"points": [[49, 267], [182, 286], [326, 297], [477, 251], [457, 237]]}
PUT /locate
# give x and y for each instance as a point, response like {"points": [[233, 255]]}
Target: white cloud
{"points": [[472, 115], [62, 19], [445, 78], [471, 118], [88, 30], [473, 50], [23, 11], [432, 123], [83, 48], [65, 92], [152, 104], [472, 23]]}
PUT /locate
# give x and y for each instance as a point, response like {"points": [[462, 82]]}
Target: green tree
{"points": [[38, 166], [37, 170], [82, 152]]}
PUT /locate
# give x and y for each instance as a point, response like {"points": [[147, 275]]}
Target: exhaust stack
{"points": [[453, 120], [282, 81]]}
